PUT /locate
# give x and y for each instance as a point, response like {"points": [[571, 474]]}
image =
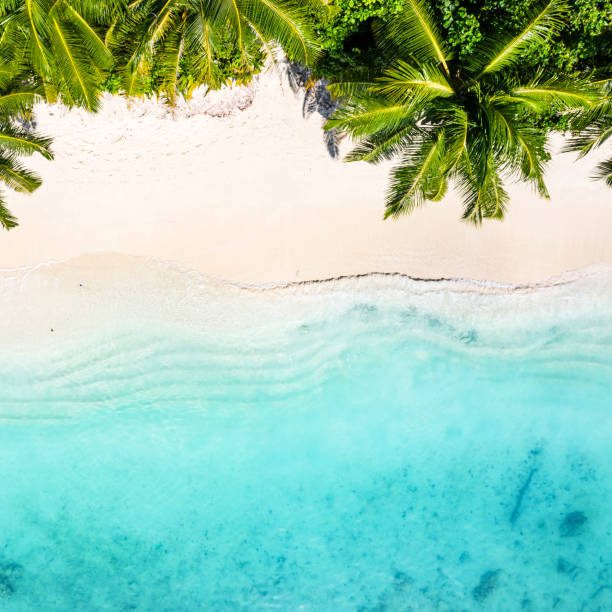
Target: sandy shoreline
{"points": [[256, 198], [98, 298]]}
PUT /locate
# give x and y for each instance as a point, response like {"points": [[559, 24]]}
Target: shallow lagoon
{"points": [[371, 447]]}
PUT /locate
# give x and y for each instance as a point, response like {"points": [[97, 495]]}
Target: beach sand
{"points": [[255, 197]]}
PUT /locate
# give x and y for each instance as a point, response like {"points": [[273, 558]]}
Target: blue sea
{"points": [[373, 444]]}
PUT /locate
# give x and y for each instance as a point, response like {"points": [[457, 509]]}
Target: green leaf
{"points": [[22, 142], [98, 52], [17, 102], [385, 145], [287, 23], [369, 115], [485, 198], [413, 33], [77, 73], [546, 19], [416, 176], [404, 83], [7, 220], [565, 96], [16, 176]]}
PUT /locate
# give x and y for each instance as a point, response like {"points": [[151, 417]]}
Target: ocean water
{"points": [[368, 445]]}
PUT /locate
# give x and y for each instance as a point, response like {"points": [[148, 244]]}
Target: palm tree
{"points": [[16, 100], [593, 128], [468, 121], [60, 42], [165, 33]]}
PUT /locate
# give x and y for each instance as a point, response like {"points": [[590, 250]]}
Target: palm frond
{"points": [[485, 198], [200, 41], [403, 83], [456, 132], [231, 12], [16, 176], [98, 52], [129, 36], [563, 95], [521, 104], [168, 59], [413, 33], [136, 37], [368, 115], [35, 14], [384, 145], [17, 102], [591, 127], [75, 70], [163, 19], [7, 220], [545, 19], [23, 142], [531, 156], [416, 176], [437, 188], [343, 90], [286, 22], [134, 76], [517, 148], [7, 73], [102, 12]]}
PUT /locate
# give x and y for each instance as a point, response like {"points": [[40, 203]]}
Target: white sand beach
{"points": [[255, 197]]}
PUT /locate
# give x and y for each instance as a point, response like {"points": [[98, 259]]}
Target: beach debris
{"points": [[521, 494], [489, 581], [572, 524], [10, 573]]}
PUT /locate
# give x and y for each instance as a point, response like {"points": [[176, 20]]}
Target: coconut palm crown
{"points": [[593, 128], [60, 43], [161, 34], [469, 121]]}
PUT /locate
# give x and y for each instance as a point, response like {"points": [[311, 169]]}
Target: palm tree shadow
{"points": [[317, 99]]}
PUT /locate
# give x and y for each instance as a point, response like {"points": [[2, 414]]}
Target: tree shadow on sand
{"points": [[317, 99]]}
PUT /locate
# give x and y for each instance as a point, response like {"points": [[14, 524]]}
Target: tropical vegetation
{"points": [[592, 128], [70, 50], [585, 41], [16, 140], [59, 44], [428, 83], [180, 42], [467, 120]]}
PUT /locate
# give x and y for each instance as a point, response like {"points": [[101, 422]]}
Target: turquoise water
{"points": [[337, 451]]}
